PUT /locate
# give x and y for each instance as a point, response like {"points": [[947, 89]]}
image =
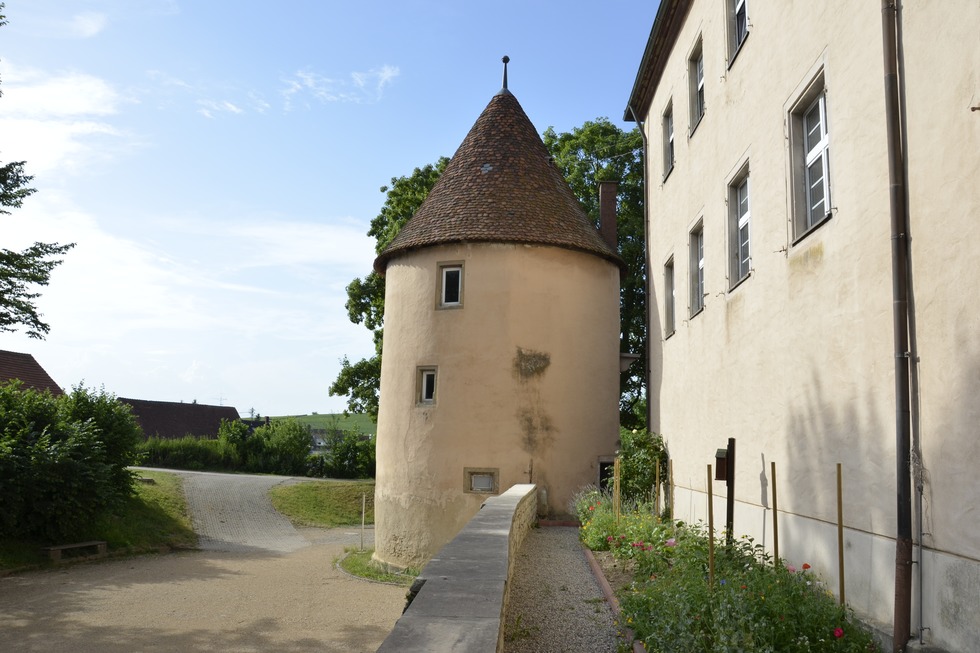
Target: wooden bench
{"points": [[54, 552]]}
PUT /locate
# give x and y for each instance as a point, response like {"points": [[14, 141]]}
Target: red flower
{"points": [[838, 632], [591, 507], [805, 566]]}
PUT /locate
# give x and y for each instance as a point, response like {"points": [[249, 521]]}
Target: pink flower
{"points": [[791, 569], [838, 632], [670, 542], [609, 539]]}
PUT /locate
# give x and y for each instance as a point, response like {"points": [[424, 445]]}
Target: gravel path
{"points": [[260, 585], [556, 605]]}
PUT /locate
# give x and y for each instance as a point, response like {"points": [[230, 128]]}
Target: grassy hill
{"points": [[362, 423]]}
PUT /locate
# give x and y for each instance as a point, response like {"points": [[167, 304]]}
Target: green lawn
{"points": [[325, 503], [362, 423], [154, 519]]}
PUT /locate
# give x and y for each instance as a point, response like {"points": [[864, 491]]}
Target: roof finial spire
{"points": [[506, 61]]}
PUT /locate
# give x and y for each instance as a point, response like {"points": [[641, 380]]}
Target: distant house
{"points": [[170, 420], [23, 367]]}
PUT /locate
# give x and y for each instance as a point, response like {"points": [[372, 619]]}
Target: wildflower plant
{"points": [[754, 604]]}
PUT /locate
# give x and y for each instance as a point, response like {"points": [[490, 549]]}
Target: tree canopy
{"points": [[20, 271], [596, 151]]}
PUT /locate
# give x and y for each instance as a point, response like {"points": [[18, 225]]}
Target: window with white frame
{"points": [[450, 285], [739, 227], [426, 381], [668, 124], [810, 142], [697, 268], [738, 26], [696, 81], [669, 298], [481, 480]]}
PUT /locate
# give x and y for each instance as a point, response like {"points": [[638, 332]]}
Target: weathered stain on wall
{"points": [[537, 430]]}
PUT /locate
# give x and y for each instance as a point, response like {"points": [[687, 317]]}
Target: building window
{"points": [[697, 269], [738, 26], [815, 153], [450, 285], [668, 139], [669, 298], [739, 227], [696, 79], [481, 480], [426, 385]]}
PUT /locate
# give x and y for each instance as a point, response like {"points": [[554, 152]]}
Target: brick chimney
{"points": [[607, 213]]}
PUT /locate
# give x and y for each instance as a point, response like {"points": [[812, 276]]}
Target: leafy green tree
{"points": [[596, 151], [19, 271], [360, 381], [601, 151], [63, 460]]}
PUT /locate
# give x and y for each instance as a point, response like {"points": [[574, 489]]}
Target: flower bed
{"points": [[753, 604]]}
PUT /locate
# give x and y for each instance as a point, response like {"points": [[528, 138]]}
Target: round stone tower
{"points": [[500, 362]]}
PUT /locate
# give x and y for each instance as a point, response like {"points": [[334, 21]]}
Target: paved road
{"points": [[259, 585]]}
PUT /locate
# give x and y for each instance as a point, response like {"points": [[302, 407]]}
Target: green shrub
{"points": [[640, 453], [63, 460], [348, 455], [191, 453]]}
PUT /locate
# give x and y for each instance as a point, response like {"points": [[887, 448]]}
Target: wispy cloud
{"points": [[87, 24], [366, 87], [52, 119], [208, 108]]}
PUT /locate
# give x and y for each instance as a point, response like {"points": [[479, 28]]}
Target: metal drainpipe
{"points": [[917, 466], [646, 263], [901, 627]]}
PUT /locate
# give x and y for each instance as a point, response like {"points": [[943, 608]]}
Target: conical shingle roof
{"points": [[501, 186]]}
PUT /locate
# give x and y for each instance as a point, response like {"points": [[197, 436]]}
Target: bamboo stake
{"points": [[711, 534], [775, 517], [840, 531], [363, 513], [670, 483]]}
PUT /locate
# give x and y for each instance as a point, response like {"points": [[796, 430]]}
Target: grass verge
{"points": [[359, 563], [325, 503], [154, 518]]}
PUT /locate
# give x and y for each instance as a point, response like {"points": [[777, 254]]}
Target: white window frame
{"points": [[426, 392], [740, 227], [670, 314], [445, 269], [738, 27], [816, 155], [696, 81], [697, 268], [668, 129], [810, 157], [470, 474]]}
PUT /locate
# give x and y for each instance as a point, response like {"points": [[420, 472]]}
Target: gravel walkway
{"points": [[556, 605], [258, 585]]}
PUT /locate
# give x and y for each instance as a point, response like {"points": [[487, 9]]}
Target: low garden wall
{"points": [[459, 601]]}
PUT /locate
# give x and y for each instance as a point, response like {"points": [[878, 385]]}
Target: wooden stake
{"points": [[670, 484], [616, 489], [656, 491], [363, 513], [711, 534], [840, 531], [775, 518]]}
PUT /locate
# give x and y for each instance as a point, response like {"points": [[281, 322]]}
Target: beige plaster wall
{"points": [[796, 362], [548, 427]]}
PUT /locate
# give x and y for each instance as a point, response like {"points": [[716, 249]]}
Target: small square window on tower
{"points": [[426, 385], [450, 285], [481, 480]]}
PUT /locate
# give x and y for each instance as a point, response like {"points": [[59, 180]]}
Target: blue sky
{"points": [[218, 164]]}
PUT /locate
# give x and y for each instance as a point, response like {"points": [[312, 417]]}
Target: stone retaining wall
{"points": [[459, 601]]}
